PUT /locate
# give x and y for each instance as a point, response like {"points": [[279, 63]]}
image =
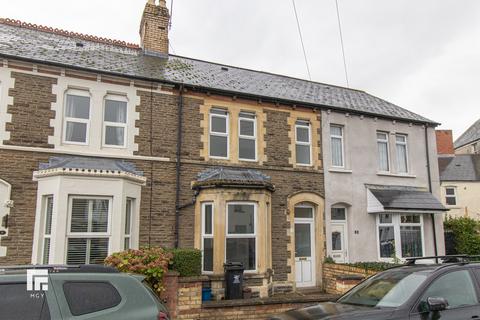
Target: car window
{"points": [[456, 287], [87, 297], [18, 303]]}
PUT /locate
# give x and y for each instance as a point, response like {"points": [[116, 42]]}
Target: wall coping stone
{"points": [[192, 279], [283, 299], [349, 277]]}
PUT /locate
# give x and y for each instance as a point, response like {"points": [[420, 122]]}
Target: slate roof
{"points": [[461, 167], [406, 198], [125, 60], [224, 177], [472, 134], [90, 163]]}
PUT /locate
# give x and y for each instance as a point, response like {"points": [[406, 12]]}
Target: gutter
{"points": [[432, 216]]}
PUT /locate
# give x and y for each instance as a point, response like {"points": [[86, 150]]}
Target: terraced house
{"points": [[106, 145]]}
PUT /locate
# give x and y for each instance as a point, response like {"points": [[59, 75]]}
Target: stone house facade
{"points": [[107, 145]]}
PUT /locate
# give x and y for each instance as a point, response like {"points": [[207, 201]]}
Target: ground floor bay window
{"points": [[400, 235]]}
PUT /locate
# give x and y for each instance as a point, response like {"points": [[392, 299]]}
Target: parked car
{"points": [[448, 290], [76, 292]]}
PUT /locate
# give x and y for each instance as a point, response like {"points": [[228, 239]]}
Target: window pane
{"points": [[76, 132], [246, 149], [336, 241], [208, 254], [385, 218], [247, 128], [336, 130], [219, 124], [114, 136], [87, 251], [450, 191], [208, 215], [387, 242], [77, 251], [411, 238], [338, 214], [48, 216], [88, 297], [337, 152], [115, 111], [381, 136], [128, 216], [126, 243], [77, 107], [46, 250], [99, 216], [301, 212], [402, 158], [382, 156], [218, 146], [456, 287], [79, 219], [98, 250], [410, 218], [16, 303], [302, 154], [303, 245], [241, 219], [401, 139], [451, 201], [302, 134], [242, 250]]}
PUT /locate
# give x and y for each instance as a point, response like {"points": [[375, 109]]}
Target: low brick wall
{"points": [[339, 278]]}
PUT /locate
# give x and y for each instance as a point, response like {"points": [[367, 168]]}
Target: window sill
{"points": [[340, 170], [398, 175]]}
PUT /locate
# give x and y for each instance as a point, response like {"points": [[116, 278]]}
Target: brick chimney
{"points": [[445, 142], [154, 28]]}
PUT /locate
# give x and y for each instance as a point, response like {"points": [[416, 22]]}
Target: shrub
{"points": [[466, 232], [374, 266], [187, 262], [150, 262]]}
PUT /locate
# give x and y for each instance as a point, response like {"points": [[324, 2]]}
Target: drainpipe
{"points": [[430, 189], [178, 164]]}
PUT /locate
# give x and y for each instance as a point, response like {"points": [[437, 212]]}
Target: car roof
{"points": [[58, 269]]}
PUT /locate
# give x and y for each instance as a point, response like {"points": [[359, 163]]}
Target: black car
{"points": [[448, 290]]}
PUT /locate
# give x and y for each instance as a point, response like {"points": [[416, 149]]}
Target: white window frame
{"points": [[407, 164], [254, 137], [119, 98], [45, 236], [243, 235], [130, 231], [454, 196], [309, 143], [81, 93], [219, 134], [387, 141], [338, 207], [208, 236], [88, 235], [334, 136], [396, 224]]}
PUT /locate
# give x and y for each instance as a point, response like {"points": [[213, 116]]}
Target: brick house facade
{"points": [[106, 146]]}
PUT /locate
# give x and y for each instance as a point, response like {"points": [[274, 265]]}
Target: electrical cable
{"points": [[301, 40], [341, 42]]}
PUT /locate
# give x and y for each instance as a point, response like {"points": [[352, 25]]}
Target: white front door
{"points": [[339, 252], [305, 248]]}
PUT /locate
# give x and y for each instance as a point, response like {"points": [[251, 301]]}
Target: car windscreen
{"points": [[387, 289]]}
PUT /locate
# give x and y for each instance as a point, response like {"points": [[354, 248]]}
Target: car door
{"points": [[460, 290]]}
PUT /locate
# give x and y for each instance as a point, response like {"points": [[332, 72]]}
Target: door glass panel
{"points": [[338, 214], [336, 240], [302, 240]]}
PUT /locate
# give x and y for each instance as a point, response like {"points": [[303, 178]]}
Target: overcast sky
{"points": [[422, 55]]}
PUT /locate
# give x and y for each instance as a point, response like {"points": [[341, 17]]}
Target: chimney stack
{"points": [[444, 142], [154, 28]]}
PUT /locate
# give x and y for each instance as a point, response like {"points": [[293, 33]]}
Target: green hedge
{"points": [[466, 232], [375, 266], [187, 262]]}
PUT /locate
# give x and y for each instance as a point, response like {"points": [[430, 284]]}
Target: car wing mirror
{"points": [[437, 304]]}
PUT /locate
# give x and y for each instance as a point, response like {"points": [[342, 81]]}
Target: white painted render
{"points": [[5, 205], [346, 186]]}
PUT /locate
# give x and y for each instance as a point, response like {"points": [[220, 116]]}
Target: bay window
{"points": [[336, 144], [219, 134], [303, 143], [88, 232], [383, 153], [241, 234], [47, 228], [115, 121], [207, 237], [128, 224], [247, 136], [402, 153], [400, 235], [77, 117]]}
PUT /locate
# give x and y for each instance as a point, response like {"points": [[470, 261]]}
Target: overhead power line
{"points": [[341, 42], [301, 40]]}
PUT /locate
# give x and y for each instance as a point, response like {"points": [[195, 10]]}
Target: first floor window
{"points": [[450, 196], [207, 236], [241, 234], [247, 136], [382, 149], [218, 133], [402, 154], [400, 235], [115, 121], [303, 143], [77, 116], [88, 232], [127, 240], [336, 144], [47, 228]]}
